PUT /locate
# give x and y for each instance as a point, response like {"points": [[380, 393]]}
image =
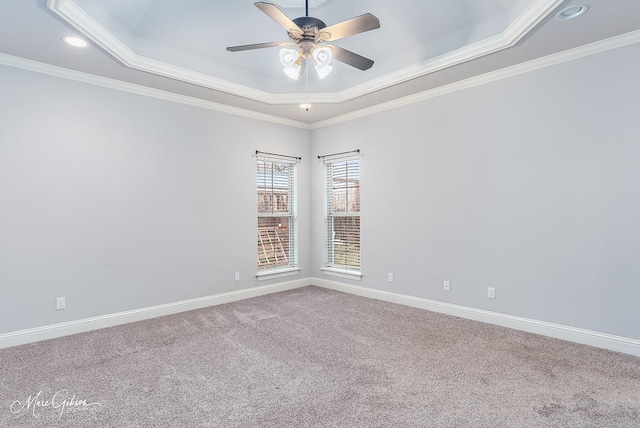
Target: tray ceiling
{"points": [[179, 47]]}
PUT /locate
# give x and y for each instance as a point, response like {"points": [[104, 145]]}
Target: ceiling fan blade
{"points": [[277, 15], [258, 46], [351, 58], [359, 24]]}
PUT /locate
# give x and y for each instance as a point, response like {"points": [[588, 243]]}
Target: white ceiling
{"points": [[179, 46]]}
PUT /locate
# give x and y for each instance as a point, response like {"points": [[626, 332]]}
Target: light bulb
{"points": [[288, 57], [322, 56]]}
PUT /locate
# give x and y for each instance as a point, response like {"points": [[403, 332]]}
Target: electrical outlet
{"points": [[390, 277], [491, 293], [446, 285], [61, 303], [237, 276]]}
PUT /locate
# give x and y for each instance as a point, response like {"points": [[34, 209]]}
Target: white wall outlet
{"points": [[446, 285], [491, 293], [390, 276], [61, 303], [237, 276]]}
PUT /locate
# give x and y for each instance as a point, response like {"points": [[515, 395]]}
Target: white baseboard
{"points": [[64, 329], [572, 334], [577, 335]]}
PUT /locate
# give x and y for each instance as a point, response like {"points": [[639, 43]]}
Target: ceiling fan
{"points": [[308, 34]]}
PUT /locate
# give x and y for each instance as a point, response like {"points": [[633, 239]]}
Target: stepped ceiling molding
{"points": [[180, 47]]}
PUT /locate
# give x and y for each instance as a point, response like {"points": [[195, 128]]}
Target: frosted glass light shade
{"points": [[288, 58], [323, 57]]}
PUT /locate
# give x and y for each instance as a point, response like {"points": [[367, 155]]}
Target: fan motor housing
{"points": [[310, 27]]}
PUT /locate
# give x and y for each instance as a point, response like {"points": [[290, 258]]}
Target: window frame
{"points": [[275, 189], [350, 209]]}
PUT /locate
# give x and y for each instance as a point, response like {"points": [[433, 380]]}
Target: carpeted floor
{"points": [[313, 358]]}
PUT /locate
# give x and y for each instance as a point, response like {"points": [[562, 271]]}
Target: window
{"points": [[343, 214], [277, 215]]}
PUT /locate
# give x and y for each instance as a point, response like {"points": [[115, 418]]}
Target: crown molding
{"points": [[548, 61], [508, 38], [504, 73], [74, 15], [69, 11], [105, 82], [528, 20]]}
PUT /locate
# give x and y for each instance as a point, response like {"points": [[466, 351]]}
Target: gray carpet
{"points": [[313, 358]]}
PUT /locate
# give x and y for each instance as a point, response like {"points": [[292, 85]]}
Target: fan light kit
{"points": [[307, 34]]}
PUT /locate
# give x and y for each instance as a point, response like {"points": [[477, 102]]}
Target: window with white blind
{"points": [[343, 214], [277, 215]]}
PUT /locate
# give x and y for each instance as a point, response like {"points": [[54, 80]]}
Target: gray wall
{"points": [[118, 201], [528, 185]]}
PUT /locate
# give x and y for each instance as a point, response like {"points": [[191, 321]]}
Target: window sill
{"points": [[277, 273], [342, 273]]}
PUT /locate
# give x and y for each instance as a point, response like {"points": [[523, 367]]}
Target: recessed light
{"points": [[76, 42], [572, 12], [305, 106]]}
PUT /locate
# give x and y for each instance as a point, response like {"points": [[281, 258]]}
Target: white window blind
{"points": [[343, 214], [277, 214]]}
